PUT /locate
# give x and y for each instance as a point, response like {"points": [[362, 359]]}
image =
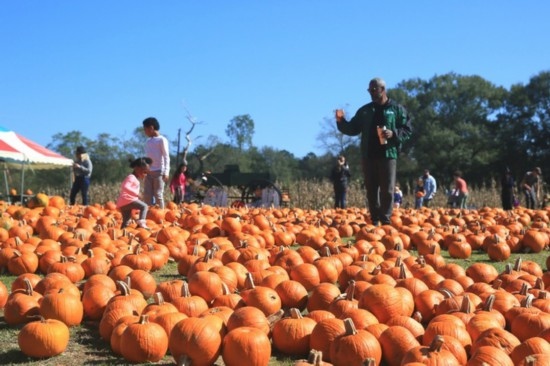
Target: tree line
{"points": [[460, 123]]}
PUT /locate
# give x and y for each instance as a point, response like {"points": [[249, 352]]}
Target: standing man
{"points": [[156, 148], [383, 125], [340, 176], [430, 187], [82, 173], [531, 187]]}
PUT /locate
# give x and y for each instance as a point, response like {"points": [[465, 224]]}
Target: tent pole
{"points": [[22, 182], [70, 181], [6, 182]]}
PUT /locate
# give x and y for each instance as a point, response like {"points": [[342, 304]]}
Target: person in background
{"points": [[531, 187], [419, 194], [156, 148], [507, 184], [430, 187], [383, 125], [461, 189], [340, 178], [129, 198], [177, 184], [82, 171], [397, 196]]}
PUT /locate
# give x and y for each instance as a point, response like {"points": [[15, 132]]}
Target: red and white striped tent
{"points": [[18, 150]]}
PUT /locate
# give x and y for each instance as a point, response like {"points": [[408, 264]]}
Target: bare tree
{"points": [[331, 140], [193, 121]]}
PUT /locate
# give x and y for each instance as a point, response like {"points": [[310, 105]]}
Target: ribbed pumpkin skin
{"points": [[396, 341], [324, 333], [62, 306], [385, 301], [488, 355], [291, 335], [246, 346], [197, 338], [3, 295], [354, 347], [44, 338], [144, 341], [531, 346]]}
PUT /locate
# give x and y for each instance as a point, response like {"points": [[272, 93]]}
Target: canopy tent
{"points": [[18, 150]]}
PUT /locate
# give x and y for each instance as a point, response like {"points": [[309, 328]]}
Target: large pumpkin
{"points": [[197, 340], [44, 338], [246, 346], [144, 341]]}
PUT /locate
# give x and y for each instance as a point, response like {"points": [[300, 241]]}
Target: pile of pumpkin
{"points": [[253, 280]]}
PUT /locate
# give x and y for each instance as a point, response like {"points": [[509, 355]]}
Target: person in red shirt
{"points": [[177, 184], [461, 189]]}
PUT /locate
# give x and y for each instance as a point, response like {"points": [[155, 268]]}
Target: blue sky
{"points": [[103, 66]]}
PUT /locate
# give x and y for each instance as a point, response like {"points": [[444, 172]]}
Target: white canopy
{"points": [[16, 149]]}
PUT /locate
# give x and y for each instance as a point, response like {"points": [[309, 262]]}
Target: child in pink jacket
{"points": [[177, 184], [130, 198]]}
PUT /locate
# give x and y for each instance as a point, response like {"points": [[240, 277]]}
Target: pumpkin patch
{"points": [[244, 283]]}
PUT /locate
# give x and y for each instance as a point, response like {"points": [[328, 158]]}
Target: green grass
{"points": [[86, 346]]}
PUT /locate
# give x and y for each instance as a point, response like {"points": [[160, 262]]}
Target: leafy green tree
{"points": [[312, 166], [452, 124], [66, 144], [279, 163], [523, 127], [134, 145], [240, 131]]}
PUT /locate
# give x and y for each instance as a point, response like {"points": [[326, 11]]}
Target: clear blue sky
{"points": [[103, 66]]}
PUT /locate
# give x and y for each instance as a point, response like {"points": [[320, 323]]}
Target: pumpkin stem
{"points": [[417, 315], [488, 305], [436, 344], [124, 287], [350, 291], [466, 306], [158, 298], [402, 272], [28, 287], [527, 301], [295, 313], [184, 361], [313, 357], [185, 289], [350, 326], [524, 289], [517, 264], [448, 294], [249, 281], [144, 319], [275, 317]]}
